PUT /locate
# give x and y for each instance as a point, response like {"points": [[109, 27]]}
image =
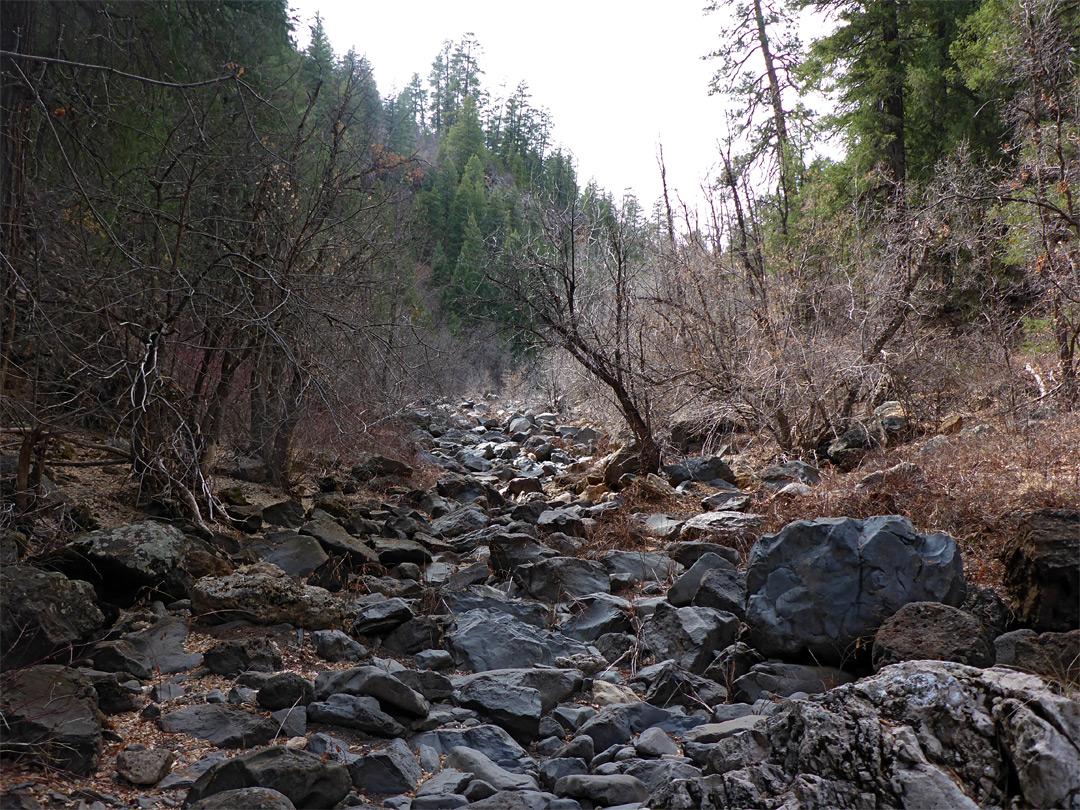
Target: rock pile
{"points": [[476, 651]]}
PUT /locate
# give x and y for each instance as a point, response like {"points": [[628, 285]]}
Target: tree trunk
{"points": [[893, 101], [783, 150]]}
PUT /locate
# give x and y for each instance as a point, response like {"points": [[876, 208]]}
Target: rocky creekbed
{"points": [[467, 645]]}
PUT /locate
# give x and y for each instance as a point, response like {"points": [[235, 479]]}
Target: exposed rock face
{"points": [[42, 613], [917, 734], [265, 594], [49, 713], [820, 586], [1042, 570]]}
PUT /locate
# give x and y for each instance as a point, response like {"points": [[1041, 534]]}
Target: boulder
{"points": [[916, 734], [930, 630], [1042, 570], [388, 771], [287, 514], [307, 780], [355, 711], [233, 656], [296, 555], [602, 790], [338, 543], [43, 613], [640, 566], [514, 708], [559, 578], [376, 615], [1055, 656], [689, 635], [491, 741], [685, 588], [603, 614], [131, 561], [701, 468], [285, 690], [482, 639], [334, 645], [49, 714], [821, 586], [218, 723], [483, 767], [253, 798], [772, 680], [144, 766], [264, 594], [723, 526], [393, 695], [723, 589]]}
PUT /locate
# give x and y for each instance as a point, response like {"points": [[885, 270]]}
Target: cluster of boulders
{"points": [[478, 651]]}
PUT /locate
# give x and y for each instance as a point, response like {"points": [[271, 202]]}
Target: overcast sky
{"points": [[619, 77]]}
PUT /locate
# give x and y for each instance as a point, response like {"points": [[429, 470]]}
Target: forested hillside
{"points": [[216, 242]]}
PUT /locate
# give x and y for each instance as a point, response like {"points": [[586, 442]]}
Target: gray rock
{"points": [[604, 613], [338, 543], [389, 771], [604, 791], [354, 711], [43, 613], [481, 766], [685, 588], [253, 798], [231, 657], [615, 725], [481, 640], [290, 722], [461, 521], [778, 476], [933, 631], [509, 551], [1054, 656], [554, 769], [484, 597], [294, 554], [686, 553], [307, 780], [726, 525], [563, 521], [285, 691], [821, 586], [642, 566], [163, 646], [559, 578], [1042, 570], [334, 645], [572, 716], [776, 679], [723, 589], [689, 635], [375, 465], [122, 656], [399, 550], [50, 715], [142, 766], [380, 615], [223, 725], [514, 708], [491, 741], [392, 694], [264, 594], [288, 514], [447, 781], [129, 559], [714, 732], [654, 743]]}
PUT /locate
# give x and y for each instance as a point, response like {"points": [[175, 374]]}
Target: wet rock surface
{"points": [[468, 645]]}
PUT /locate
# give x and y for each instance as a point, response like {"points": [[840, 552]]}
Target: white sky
{"points": [[619, 77]]}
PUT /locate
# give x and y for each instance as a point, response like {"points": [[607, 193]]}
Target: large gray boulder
{"points": [[821, 586], [43, 613], [920, 734], [264, 594], [689, 635], [224, 726]]}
